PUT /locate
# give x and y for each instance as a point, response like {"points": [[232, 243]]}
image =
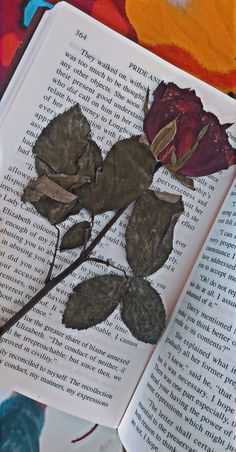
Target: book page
{"points": [[187, 397], [86, 372]]}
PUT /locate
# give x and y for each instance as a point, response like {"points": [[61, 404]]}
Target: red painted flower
{"points": [[184, 137]]}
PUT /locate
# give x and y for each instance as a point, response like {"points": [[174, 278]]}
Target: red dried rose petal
{"points": [[213, 153]]}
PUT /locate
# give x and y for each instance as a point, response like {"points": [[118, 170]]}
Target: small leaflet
{"points": [[76, 236], [62, 143], [65, 147], [142, 310], [150, 230], [93, 301]]}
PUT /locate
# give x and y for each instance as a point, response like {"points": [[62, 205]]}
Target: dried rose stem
{"points": [[107, 263], [49, 275], [57, 279]]}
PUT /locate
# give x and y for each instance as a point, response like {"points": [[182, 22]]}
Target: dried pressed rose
{"points": [[184, 137]]}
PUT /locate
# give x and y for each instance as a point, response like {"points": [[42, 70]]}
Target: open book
{"points": [[180, 394]]}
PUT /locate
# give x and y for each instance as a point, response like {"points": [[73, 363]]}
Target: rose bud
{"points": [[184, 137]]}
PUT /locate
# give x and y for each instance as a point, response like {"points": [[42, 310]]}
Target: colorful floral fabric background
{"points": [[198, 36]]}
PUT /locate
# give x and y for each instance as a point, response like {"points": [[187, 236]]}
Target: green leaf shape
{"points": [[76, 236], [150, 230], [126, 174], [93, 301], [142, 310], [62, 142]]}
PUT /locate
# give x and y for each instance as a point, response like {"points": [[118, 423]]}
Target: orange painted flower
{"points": [[196, 35]]}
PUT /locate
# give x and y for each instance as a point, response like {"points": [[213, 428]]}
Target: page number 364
{"points": [[80, 34]]}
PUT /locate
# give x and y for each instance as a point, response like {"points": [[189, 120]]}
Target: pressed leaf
{"points": [[69, 182], [49, 206], [42, 168], [62, 142], [90, 161], [76, 236], [150, 230], [50, 199], [126, 174], [30, 195], [93, 301], [55, 211], [142, 310], [43, 186]]}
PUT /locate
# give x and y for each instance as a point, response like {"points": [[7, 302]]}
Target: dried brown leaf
{"points": [[168, 197], [93, 301], [150, 232], [90, 161], [43, 186], [62, 143], [76, 236], [69, 182], [142, 310], [126, 174], [54, 211], [49, 206]]}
